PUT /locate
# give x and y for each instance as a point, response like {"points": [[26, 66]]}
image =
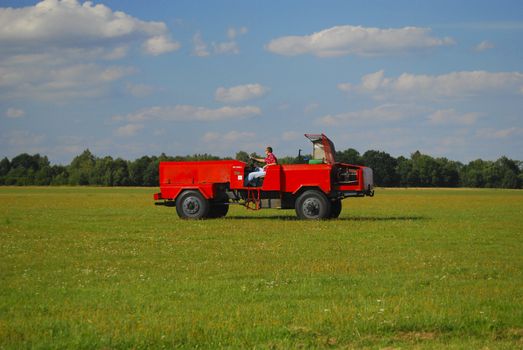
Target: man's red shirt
{"points": [[270, 159]]}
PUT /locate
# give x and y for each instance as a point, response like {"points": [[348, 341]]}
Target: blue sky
{"points": [[133, 78]]}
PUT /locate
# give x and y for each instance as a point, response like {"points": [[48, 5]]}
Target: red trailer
{"points": [[205, 189]]}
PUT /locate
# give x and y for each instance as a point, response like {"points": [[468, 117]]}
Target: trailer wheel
{"points": [[335, 209], [192, 205], [218, 211], [313, 204]]}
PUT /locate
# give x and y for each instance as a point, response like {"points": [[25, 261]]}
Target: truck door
{"points": [[272, 180]]}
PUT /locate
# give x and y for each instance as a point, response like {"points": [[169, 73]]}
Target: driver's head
{"points": [[268, 149]]}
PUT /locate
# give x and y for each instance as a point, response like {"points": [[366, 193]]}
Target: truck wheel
{"points": [[312, 205], [335, 209], [192, 205], [218, 210]]}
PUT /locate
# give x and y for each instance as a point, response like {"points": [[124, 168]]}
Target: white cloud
{"points": [[232, 32], [357, 40], [191, 113], [59, 83], [58, 49], [484, 45], [491, 133], [451, 116], [311, 107], [381, 114], [14, 113], [345, 87], [160, 44], [452, 85], [117, 53], [139, 90], [69, 23], [291, 135], [229, 137], [71, 150], [200, 47], [231, 46], [229, 142], [240, 93], [22, 141], [114, 73], [128, 130], [228, 47]]}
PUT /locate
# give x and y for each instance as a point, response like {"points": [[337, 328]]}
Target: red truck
{"points": [[205, 189]]}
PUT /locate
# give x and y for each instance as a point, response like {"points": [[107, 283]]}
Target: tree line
{"points": [[420, 170]]}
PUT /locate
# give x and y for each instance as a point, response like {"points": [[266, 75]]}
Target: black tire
{"points": [[192, 205], [313, 205], [218, 211], [335, 209]]}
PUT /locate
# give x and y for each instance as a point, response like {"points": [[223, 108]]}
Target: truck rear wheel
{"points": [[192, 205], [313, 205], [218, 210]]}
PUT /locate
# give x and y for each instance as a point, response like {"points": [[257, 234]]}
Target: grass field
{"points": [[105, 268]]}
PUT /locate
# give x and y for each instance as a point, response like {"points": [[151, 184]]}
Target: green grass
{"points": [[105, 268]]}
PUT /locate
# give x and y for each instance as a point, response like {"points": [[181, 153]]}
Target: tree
{"points": [[448, 173], [81, 169], [503, 173], [5, 166], [26, 169], [404, 172], [472, 174], [150, 175], [17, 176], [137, 170], [425, 170], [102, 173], [510, 172], [60, 176], [26, 161], [419, 170], [242, 156], [349, 156], [120, 173], [44, 176], [492, 175], [383, 166]]}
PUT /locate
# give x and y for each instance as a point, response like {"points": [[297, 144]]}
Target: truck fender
{"points": [[303, 188], [205, 190], [174, 193]]}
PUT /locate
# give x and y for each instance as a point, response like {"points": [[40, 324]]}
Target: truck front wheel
{"points": [[335, 209], [218, 211], [192, 205], [313, 205]]}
